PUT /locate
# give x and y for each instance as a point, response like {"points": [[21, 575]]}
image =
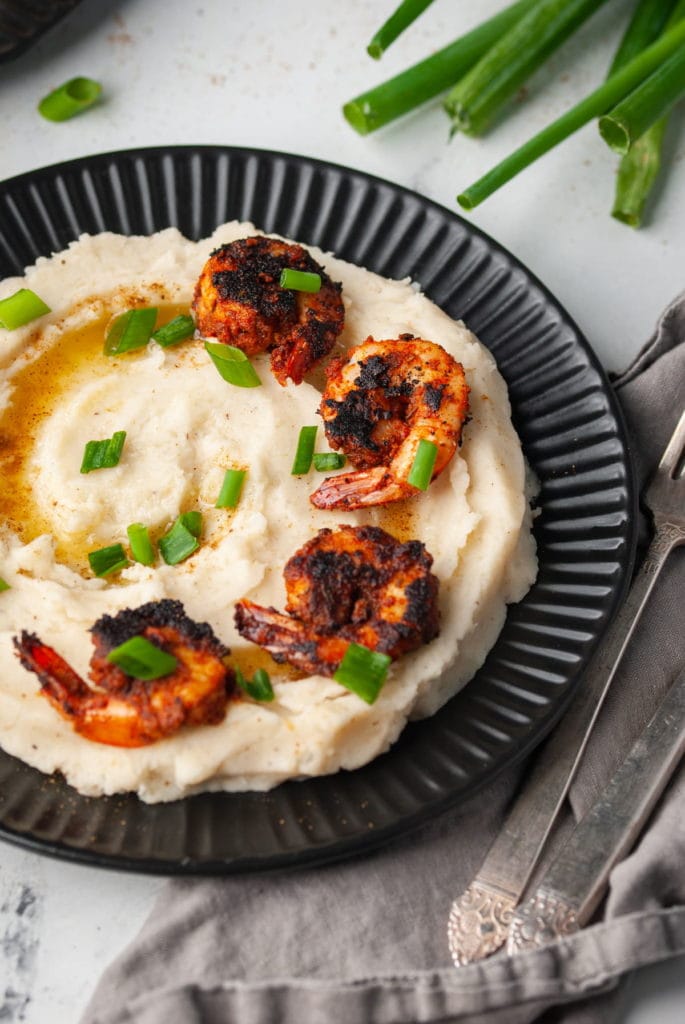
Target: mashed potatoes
{"points": [[185, 426]]}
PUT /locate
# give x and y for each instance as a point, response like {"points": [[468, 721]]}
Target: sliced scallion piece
{"points": [[75, 96], [179, 543], [178, 329], [229, 495], [421, 472], [107, 560], [302, 462], [132, 329], [233, 365], [324, 461], [4, 585], [192, 521], [141, 545], [300, 280], [103, 454], [259, 687], [141, 659], [363, 671], [21, 308]]}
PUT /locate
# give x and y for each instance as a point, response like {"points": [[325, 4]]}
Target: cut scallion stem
{"points": [[179, 543], [475, 100], [192, 521], [75, 96], [141, 545], [21, 308], [259, 687], [103, 454], [645, 105], [300, 280], [178, 329], [131, 330], [141, 659], [399, 20], [4, 585], [363, 671], [108, 560], [302, 462], [639, 168], [598, 102], [421, 472], [324, 461], [233, 365], [229, 495], [404, 92]]}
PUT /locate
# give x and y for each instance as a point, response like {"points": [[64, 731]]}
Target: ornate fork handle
{"points": [[479, 918]]}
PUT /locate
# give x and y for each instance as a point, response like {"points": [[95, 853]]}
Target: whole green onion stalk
{"points": [[599, 102], [639, 168], [479, 96], [399, 95]]}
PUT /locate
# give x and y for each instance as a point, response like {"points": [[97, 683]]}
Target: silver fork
{"points": [[479, 918]]}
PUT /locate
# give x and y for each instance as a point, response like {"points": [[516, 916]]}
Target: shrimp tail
{"points": [[359, 489], [290, 361], [289, 639], [63, 687]]}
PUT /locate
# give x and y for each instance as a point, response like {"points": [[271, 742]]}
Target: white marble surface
{"points": [[273, 74]]}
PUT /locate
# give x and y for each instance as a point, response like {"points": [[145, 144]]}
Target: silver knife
{"points": [[479, 919], [575, 882]]}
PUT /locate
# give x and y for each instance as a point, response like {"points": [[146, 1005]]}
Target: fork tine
{"points": [[674, 448]]}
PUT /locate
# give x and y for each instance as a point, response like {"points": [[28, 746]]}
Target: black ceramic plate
{"points": [[572, 434]]}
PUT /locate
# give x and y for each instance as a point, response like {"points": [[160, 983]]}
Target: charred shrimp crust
{"points": [[239, 301], [112, 630], [353, 584], [129, 712]]}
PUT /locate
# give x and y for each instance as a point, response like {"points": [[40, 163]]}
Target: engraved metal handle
{"points": [[479, 919]]}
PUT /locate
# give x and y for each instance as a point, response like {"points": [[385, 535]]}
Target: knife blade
{"points": [[575, 882]]}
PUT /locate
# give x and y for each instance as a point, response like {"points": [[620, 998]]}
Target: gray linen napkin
{"points": [[364, 942]]}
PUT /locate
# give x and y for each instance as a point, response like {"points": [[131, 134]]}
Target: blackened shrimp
{"points": [[378, 404], [128, 712], [354, 584], [239, 301]]}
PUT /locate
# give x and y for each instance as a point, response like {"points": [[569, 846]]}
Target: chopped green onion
{"points": [[302, 462], [328, 460], [475, 100], [178, 329], [75, 96], [363, 671], [4, 585], [596, 103], [141, 659], [421, 82], [259, 687], [229, 495], [233, 365], [21, 308], [180, 542], [407, 12], [103, 454], [421, 472], [192, 522], [132, 329], [108, 560], [300, 280], [141, 545]]}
